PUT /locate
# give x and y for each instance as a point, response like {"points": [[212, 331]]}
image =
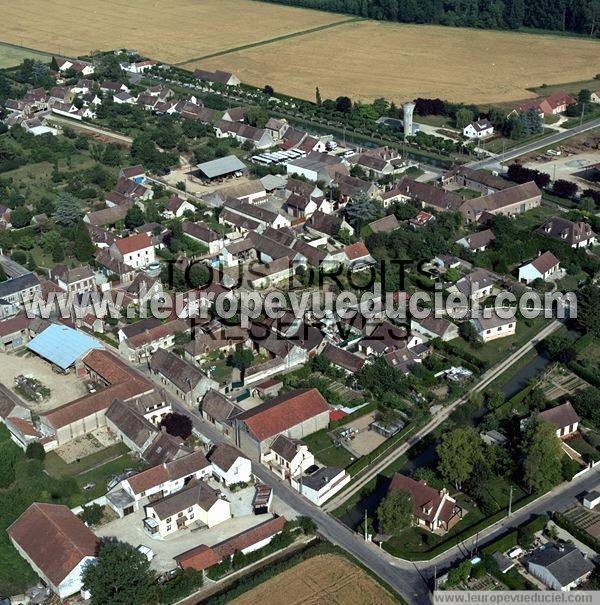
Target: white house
{"points": [[560, 566], [491, 328], [596, 96], [56, 544], [322, 485], [543, 267], [478, 130], [288, 457], [591, 500], [157, 482], [197, 503], [176, 207], [137, 251], [229, 466], [563, 417]]}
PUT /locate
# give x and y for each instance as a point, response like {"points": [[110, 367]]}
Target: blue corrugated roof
{"points": [[62, 345]]}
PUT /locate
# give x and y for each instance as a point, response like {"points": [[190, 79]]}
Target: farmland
{"points": [[295, 50], [178, 30], [368, 59], [322, 579]]}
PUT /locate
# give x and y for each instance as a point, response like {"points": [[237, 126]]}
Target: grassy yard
{"points": [[321, 446], [11, 55], [56, 467], [535, 217], [496, 350], [570, 283]]}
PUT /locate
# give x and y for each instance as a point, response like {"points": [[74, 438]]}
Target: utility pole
{"points": [[510, 501], [366, 529], [582, 113]]}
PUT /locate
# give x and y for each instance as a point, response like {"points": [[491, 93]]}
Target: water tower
{"points": [[408, 109]]}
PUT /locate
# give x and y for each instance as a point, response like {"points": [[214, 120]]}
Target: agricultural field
{"points": [[179, 30], [13, 55], [295, 49], [323, 579], [369, 59]]}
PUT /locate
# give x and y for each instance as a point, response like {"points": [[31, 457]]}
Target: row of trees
{"points": [[580, 16]]}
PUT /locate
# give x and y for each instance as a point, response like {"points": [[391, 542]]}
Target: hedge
{"points": [[576, 531], [366, 409], [591, 376], [182, 585], [509, 540]]}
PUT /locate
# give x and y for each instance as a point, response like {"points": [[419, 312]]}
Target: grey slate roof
{"points": [[565, 563]]}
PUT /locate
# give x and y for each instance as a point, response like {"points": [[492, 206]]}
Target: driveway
{"points": [[131, 529]]}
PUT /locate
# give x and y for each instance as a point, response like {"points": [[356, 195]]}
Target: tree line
{"points": [[577, 16]]}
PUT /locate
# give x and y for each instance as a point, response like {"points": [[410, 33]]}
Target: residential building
{"points": [[477, 180], [197, 504], [434, 509], [493, 327], [56, 544], [574, 234], [16, 292], [429, 196], [229, 465], [481, 129], [288, 457], [321, 485], [508, 202], [543, 267], [219, 410], [78, 279], [179, 376], [295, 414], [176, 207], [559, 566], [435, 327], [478, 241], [136, 251], [157, 482], [217, 77], [564, 418]]}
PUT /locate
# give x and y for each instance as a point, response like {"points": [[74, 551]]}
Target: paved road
{"points": [[560, 498], [551, 139], [403, 578], [374, 469]]}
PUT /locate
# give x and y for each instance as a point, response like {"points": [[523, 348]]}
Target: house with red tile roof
{"points": [[137, 251], [295, 414], [56, 544], [202, 557], [434, 509]]}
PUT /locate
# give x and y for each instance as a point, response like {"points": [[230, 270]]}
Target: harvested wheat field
{"points": [[324, 579], [369, 59], [173, 31]]}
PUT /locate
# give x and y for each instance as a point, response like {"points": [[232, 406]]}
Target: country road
{"points": [[551, 139], [411, 580], [76, 124], [374, 469]]}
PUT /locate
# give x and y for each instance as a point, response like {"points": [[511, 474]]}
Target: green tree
{"points": [[58, 252], [242, 360], [20, 217], [83, 247], [459, 452], [68, 209], [469, 333], [318, 99], [542, 456], [460, 574], [134, 217], [257, 116], [35, 451], [396, 512], [464, 117], [121, 575], [92, 514], [588, 308], [198, 275]]}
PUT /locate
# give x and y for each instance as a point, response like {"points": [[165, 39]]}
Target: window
{"points": [[179, 515], [168, 520], [142, 494], [190, 509], [168, 528], [191, 515]]}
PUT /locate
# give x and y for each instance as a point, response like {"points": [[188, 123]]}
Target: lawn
{"points": [[321, 446], [570, 283], [56, 467], [496, 350], [583, 447], [13, 55]]}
